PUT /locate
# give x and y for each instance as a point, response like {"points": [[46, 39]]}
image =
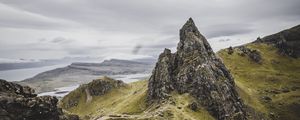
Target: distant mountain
{"points": [[79, 73], [11, 64]]}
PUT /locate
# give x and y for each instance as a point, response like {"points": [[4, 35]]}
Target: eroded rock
{"points": [[20, 103], [195, 69]]}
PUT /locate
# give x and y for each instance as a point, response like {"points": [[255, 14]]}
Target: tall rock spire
{"points": [[195, 69], [191, 40]]}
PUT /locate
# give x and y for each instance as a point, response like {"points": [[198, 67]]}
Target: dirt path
{"points": [[88, 96]]}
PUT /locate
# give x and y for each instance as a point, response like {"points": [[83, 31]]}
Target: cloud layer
{"points": [[59, 28]]}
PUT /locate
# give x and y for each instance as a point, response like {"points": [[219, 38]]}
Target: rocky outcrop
{"points": [[287, 41], [230, 50], [254, 55], [20, 103], [196, 70], [97, 87]]}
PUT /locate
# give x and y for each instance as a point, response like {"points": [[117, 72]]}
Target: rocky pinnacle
{"points": [[196, 70]]}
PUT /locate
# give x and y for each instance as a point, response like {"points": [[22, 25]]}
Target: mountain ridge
{"points": [[287, 41]]}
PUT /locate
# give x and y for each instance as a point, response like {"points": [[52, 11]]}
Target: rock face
{"points": [[195, 69], [20, 103], [97, 87], [288, 41]]}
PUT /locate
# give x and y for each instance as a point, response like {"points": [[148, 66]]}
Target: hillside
{"points": [[257, 81], [191, 83], [269, 83], [129, 102]]}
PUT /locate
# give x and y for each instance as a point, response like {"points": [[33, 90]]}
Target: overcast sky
{"points": [[60, 28]]}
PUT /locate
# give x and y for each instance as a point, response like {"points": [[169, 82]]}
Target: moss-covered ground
{"points": [[129, 102], [277, 77]]}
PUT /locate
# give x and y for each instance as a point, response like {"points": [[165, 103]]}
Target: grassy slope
{"points": [[255, 81], [130, 102], [125, 99]]}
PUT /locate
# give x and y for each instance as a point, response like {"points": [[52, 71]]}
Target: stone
{"points": [[20, 103], [254, 55], [230, 50], [285, 90], [195, 69], [194, 106], [266, 98]]}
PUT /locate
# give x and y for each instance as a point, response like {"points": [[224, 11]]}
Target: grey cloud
{"points": [[149, 16], [160, 46], [81, 51], [14, 17], [155, 18], [228, 30], [61, 40]]}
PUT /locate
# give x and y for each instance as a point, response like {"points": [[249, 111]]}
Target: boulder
{"points": [[20, 103]]}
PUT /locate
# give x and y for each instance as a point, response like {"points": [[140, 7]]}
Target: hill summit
{"points": [[196, 70]]}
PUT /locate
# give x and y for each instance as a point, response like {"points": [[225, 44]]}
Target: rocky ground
{"points": [[20, 103]]}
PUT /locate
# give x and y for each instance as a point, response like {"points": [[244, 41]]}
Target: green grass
{"points": [[275, 72], [186, 113], [130, 101]]}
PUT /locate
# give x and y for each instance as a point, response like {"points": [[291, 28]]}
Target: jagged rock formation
{"points": [[195, 69], [20, 103], [97, 87], [288, 41]]}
